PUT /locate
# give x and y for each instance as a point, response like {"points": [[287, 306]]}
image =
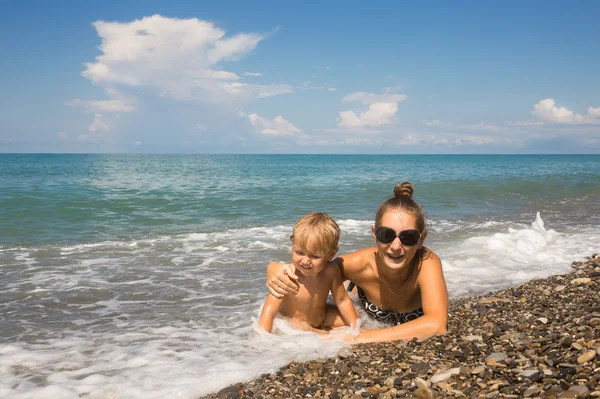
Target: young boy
{"points": [[314, 243]]}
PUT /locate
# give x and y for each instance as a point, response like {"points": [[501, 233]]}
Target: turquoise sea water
{"points": [[116, 269]]}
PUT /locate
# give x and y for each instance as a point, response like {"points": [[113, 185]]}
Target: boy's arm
{"points": [[341, 299], [269, 311]]}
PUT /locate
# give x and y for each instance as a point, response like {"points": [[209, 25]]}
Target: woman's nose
{"points": [[396, 244]]}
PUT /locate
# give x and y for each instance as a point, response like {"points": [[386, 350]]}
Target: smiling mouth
{"points": [[306, 267], [395, 257]]}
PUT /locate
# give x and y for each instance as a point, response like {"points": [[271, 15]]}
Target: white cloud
{"points": [[331, 89], [98, 106], [275, 127], [179, 58], [137, 143], [481, 126], [378, 114], [435, 122], [256, 74], [593, 112], [98, 124], [382, 110], [528, 123], [370, 98], [62, 135], [308, 85], [547, 111]]}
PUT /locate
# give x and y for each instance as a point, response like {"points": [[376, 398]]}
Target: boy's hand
{"points": [[282, 279]]}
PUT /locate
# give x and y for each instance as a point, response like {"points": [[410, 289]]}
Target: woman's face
{"points": [[396, 255]]}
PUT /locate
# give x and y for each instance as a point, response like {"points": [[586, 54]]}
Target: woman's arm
{"points": [[434, 299], [281, 279]]}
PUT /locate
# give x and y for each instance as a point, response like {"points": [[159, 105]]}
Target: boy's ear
{"points": [[333, 252]]}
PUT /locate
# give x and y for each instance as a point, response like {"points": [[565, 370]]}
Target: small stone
{"points": [[232, 389], [560, 288], [478, 370], [530, 373], [581, 280], [565, 371], [543, 320], [586, 357], [577, 346], [392, 382], [315, 366], [344, 352], [580, 389], [509, 389], [568, 394], [444, 375], [364, 359], [473, 338], [531, 391], [419, 367], [309, 391], [496, 357], [494, 300]]}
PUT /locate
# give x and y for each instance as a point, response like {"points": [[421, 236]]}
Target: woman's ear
{"points": [[373, 233], [422, 240]]}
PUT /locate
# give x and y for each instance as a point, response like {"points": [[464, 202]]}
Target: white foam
{"points": [[171, 316], [495, 261]]}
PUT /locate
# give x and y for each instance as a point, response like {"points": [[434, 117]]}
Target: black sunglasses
{"points": [[385, 235]]}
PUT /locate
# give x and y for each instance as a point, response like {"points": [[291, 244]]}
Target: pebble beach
{"points": [[537, 340]]}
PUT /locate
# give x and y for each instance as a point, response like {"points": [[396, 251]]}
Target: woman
{"points": [[399, 282]]}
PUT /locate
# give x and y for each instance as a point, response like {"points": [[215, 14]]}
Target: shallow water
{"points": [[140, 276]]}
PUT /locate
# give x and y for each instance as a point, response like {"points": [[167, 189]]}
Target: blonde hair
{"points": [[316, 232]]}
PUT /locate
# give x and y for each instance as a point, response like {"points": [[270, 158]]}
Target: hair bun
{"points": [[405, 189]]}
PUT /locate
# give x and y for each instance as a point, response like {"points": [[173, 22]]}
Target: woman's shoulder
{"points": [[357, 261], [428, 256], [430, 263]]}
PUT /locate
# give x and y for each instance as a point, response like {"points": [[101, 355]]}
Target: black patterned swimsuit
{"points": [[384, 315]]}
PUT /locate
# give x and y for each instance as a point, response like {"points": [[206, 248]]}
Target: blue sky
{"points": [[277, 77]]}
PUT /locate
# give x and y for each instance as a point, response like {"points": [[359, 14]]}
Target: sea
{"points": [[142, 276]]}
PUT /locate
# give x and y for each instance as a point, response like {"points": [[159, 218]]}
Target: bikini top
{"points": [[383, 315]]}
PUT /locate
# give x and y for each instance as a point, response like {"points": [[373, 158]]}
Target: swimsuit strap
{"points": [[383, 315]]}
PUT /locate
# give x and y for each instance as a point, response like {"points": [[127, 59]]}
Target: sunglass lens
{"points": [[409, 237], [385, 235]]}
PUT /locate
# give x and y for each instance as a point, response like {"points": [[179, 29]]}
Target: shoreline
{"points": [[540, 339]]}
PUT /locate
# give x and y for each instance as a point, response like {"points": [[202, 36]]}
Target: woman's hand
{"points": [[281, 279]]}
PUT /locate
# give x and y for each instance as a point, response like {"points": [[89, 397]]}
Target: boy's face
{"points": [[309, 263]]}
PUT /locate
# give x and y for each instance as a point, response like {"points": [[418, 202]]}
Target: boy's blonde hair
{"points": [[316, 232]]}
